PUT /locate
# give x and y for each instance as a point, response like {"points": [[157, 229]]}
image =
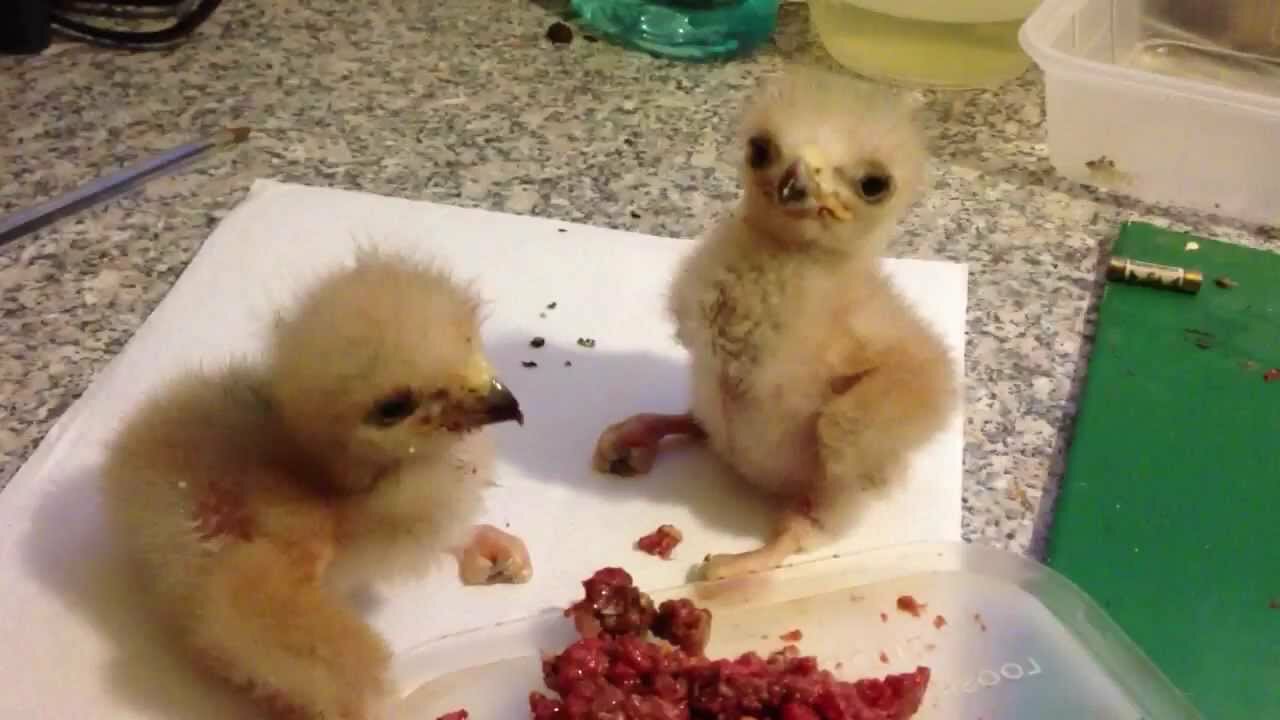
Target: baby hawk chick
{"points": [[252, 496], [812, 377]]}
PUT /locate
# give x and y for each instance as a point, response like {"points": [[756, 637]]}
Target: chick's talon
{"points": [[626, 461], [731, 565], [492, 557], [630, 447], [796, 531]]}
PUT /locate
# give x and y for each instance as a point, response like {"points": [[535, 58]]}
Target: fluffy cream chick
{"points": [[249, 495], [812, 377]]}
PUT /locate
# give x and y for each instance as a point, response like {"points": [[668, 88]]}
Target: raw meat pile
{"points": [[617, 672]]}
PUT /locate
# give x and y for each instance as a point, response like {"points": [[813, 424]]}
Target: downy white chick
{"points": [[812, 377], [252, 496]]}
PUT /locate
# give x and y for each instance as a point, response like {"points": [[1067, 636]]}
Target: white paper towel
{"points": [[77, 645]]}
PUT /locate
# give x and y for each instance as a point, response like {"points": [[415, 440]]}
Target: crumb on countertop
{"points": [[1100, 163], [559, 33], [793, 636]]}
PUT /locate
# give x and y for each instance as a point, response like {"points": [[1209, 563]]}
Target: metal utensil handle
{"points": [[105, 188]]}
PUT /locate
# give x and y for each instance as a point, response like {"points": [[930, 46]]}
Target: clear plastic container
{"points": [[953, 44], [1169, 107], [682, 29], [1019, 640]]}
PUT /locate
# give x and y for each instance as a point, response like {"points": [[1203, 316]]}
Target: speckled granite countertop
{"points": [[464, 102]]}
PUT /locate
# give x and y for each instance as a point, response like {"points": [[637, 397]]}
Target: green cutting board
{"points": [[1169, 514]]}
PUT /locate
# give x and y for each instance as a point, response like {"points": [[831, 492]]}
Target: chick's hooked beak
{"points": [[499, 405], [487, 401], [809, 177]]}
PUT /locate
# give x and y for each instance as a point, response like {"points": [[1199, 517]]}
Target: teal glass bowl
{"points": [[694, 30]]}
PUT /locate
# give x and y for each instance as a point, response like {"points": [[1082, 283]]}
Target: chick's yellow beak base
{"points": [[478, 375], [827, 195]]}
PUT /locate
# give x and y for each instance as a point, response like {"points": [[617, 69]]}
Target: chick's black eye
{"points": [[393, 408], [874, 187], [760, 154]]}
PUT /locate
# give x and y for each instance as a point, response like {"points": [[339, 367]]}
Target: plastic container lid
{"points": [[1017, 640]]}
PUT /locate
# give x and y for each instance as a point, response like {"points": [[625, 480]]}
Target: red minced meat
{"points": [[615, 672], [455, 715], [612, 606], [684, 625], [661, 542]]}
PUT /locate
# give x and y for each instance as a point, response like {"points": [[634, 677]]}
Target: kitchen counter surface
{"points": [[466, 103]]}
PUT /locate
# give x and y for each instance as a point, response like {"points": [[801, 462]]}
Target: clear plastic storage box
{"points": [[1019, 641], [1167, 101]]}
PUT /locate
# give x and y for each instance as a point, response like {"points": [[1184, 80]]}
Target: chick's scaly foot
{"points": [[493, 556], [631, 446], [729, 565], [796, 531]]}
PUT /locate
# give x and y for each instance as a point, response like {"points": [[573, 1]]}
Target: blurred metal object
{"points": [[1166, 277], [105, 188], [72, 17]]}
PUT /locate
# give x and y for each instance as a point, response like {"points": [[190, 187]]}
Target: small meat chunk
{"points": [[661, 542], [684, 625], [612, 605], [909, 604]]}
